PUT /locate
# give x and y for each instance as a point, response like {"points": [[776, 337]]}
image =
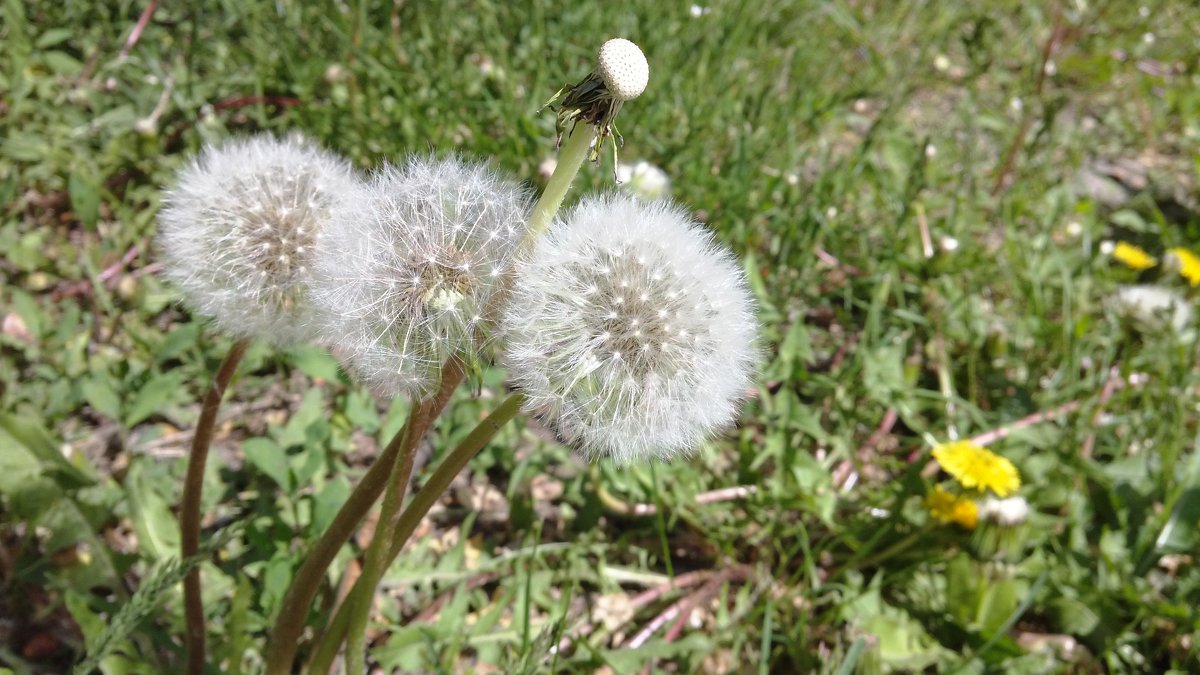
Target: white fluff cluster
{"points": [[1008, 512], [1153, 306], [409, 273], [630, 330], [643, 179], [239, 230]]}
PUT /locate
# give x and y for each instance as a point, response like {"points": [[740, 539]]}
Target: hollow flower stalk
{"points": [[408, 275], [630, 330], [239, 230]]}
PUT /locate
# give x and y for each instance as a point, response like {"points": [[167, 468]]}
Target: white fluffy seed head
{"points": [[1008, 512], [623, 67], [630, 330], [239, 230], [408, 276]]}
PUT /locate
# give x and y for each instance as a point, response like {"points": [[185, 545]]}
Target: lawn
{"points": [[925, 196]]}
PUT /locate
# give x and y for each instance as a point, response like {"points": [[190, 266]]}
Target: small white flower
{"points": [[699, 11], [408, 276], [948, 244], [1007, 512], [1154, 305], [239, 230], [630, 330], [644, 179], [623, 67]]}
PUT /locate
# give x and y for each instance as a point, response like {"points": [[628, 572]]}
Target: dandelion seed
{"points": [[950, 508], [237, 232], [1132, 256], [587, 336], [408, 277], [1187, 263], [976, 467]]}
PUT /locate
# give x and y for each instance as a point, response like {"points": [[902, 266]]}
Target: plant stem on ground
{"points": [[189, 511], [289, 624], [281, 646], [406, 524], [373, 569]]}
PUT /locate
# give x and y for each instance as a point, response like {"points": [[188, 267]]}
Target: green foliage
{"points": [[818, 139]]}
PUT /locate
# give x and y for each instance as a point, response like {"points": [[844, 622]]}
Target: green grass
{"points": [[815, 138]]}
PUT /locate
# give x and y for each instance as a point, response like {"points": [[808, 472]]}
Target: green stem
{"points": [[410, 518], [373, 568], [570, 158], [289, 624], [420, 419], [322, 658], [189, 510], [449, 468]]}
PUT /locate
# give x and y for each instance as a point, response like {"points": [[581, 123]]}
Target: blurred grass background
{"points": [[822, 141]]}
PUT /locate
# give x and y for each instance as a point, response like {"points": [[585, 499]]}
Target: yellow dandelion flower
{"points": [[1132, 256], [977, 467], [1189, 264], [950, 508]]}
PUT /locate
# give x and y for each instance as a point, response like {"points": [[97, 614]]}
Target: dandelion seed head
{"points": [[238, 231], [1153, 306], [408, 276], [630, 330], [1008, 512]]}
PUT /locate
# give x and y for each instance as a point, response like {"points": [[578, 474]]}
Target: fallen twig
{"points": [[1110, 387], [683, 607], [243, 101], [426, 615], [641, 600], [1059, 36], [140, 26], [84, 286], [1000, 433], [617, 505], [1113, 382]]}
